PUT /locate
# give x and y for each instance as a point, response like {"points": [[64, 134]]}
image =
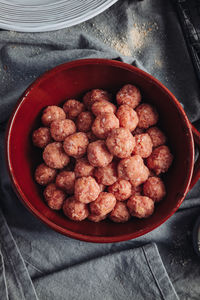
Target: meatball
{"points": [[127, 117], [54, 196], [154, 188], [41, 137], [103, 106], [61, 129], [86, 189], [54, 156], [84, 121], [91, 137], [133, 169], [147, 115], [160, 160], [120, 213], [140, 206], [129, 95], [121, 189], [120, 142], [65, 180], [157, 136], [143, 145], [95, 95], [103, 124], [83, 168], [73, 108], [95, 218], [103, 205], [76, 144], [106, 175], [44, 174], [98, 154], [52, 113], [75, 210]]}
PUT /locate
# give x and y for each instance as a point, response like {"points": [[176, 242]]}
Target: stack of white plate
{"points": [[47, 15]]}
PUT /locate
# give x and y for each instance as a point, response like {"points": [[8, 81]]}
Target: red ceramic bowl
{"points": [[72, 80]]}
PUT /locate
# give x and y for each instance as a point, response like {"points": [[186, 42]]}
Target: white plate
{"points": [[48, 15]]}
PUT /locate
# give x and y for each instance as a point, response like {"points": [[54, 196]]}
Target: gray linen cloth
{"points": [[38, 263]]}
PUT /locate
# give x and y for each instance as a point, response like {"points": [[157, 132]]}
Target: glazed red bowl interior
{"points": [[72, 80]]}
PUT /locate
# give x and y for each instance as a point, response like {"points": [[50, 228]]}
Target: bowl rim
{"points": [[65, 231]]}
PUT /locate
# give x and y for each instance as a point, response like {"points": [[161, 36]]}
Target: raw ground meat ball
{"points": [[75, 210], [103, 205], [95, 95], [65, 180], [157, 136], [98, 154], [54, 196], [41, 137], [61, 129], [86, 189], [84, 121], [54, 156], [52, 113], [160, 160], [136, 190], [120, 142], [91, 137], [143, 145], [103, 106], [44, 174], [154, 188], [95, 218], [103, 124], [133, 169], [83, 168], [138, 131], [140, 206], [120, 213], [73, 108], [121, 189], [106, 175], [147, 115], [130, 95], [76, 144], [127, 117]]}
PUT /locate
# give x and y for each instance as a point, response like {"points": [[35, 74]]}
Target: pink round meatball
{"points": [[73, 108], [120, 142], [160, 160], [54, 156], [83, 168], [120, 213], [54, 196], [157, 136], [106, 175], [61, 129], [98, 154], [95, 218], [41, 137], [133, 169], [103, 205], [147, 115], [103, 106], [95, 95], [44, 174], [129, 95], [65, 180], [143, 145], [75, 210], [103, 124], [86, 189], [121, 189], [127, 117], [154, 188], [140, 206], [76, 144], [52, 113], [84, 121]]}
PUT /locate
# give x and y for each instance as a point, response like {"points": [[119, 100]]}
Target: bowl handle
{"points": [[196, 171]]}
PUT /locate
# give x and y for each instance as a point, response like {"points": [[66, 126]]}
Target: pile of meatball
{"points": [[102, 160]]}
